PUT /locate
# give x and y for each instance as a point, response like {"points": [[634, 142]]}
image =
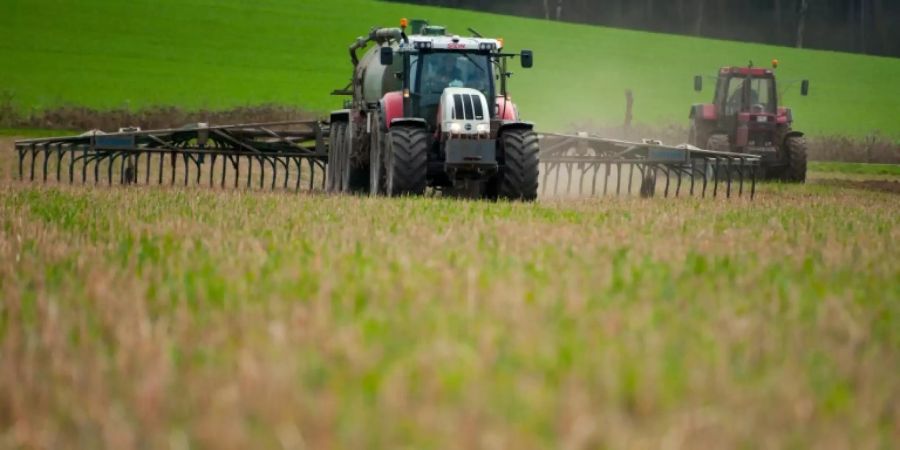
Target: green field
{"points": [[201, 54], [196, 318]]}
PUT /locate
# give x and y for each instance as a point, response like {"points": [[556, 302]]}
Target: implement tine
{"points": [[605, 179], [46, 160], [693, 174], [21, 151], [584, 172], [59, 157], [249, 170], [262, 172], [716, 178], [84, 153], [678, 187], [174, 163], [109, 167], [236, 164], [728, 184], [752, 181], [630, 176], [72, 164], [299, 163], [272, 162], [741, 177], [212, 170], [618, 179], [147, 167], [33, 156], [198, 161], [668, 177], [705, 175]]}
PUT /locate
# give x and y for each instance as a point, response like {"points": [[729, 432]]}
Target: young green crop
{"points": [[156, 317], [194, 54]]}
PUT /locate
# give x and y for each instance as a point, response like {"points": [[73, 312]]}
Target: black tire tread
{"points": [[408, 160], [796, 154], [520, 171]]}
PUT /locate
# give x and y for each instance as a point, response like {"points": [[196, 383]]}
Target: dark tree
{"points": [[865, 26]]}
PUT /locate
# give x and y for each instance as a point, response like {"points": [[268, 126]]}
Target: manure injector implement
{"points": [[428, 112]]}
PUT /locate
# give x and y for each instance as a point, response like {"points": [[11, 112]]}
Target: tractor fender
{"points": [[785, 116], [409, 122], [391, 107], [704, 112], [341, 115], [516, 125], [791, 134], [506, 109]]}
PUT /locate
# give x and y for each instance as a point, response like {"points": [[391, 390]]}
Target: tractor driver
{"points": [[450, 72]]}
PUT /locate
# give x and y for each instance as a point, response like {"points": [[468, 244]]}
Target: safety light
{"points": [[500, 42], [406, 93], [774, 63], [404, 23]]}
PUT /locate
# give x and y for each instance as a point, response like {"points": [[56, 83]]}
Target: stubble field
{"points": [[198, 318]]}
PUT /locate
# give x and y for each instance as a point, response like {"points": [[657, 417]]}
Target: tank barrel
{"points": [[379, 35]]}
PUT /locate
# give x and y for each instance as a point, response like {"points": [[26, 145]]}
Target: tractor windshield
{"points": [[432, 72], [754, 95]]}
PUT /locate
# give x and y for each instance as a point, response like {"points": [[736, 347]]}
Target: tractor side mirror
{"points": [[527, 59], [387, 56], [804, 88], [698, 83]]}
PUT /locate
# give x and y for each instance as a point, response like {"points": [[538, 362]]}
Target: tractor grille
{"points": [[467, 107]]}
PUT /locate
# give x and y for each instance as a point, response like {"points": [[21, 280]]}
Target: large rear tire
{"points": [[518, 177], [338, 158], [795, 172], [406, 161]]}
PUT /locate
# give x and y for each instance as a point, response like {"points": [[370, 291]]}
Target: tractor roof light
{"points": [[423, 45], [487, 46]]}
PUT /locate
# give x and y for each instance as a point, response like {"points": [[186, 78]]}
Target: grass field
{"points": [[200, 54], [193, 318]]}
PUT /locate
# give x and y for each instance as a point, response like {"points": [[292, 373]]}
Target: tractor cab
{"points": [[749, 104]]}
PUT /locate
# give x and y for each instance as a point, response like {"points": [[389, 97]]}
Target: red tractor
{"points": [[745, 117]]}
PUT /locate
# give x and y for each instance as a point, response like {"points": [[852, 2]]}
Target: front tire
{"points": [[795, 172], [406, 161], [518, 177]]}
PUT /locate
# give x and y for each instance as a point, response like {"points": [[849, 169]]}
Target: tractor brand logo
{"points": [[468, 127], [456, 46]]}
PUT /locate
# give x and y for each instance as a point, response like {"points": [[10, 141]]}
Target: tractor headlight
{"points": [[482, 128], [455, 128]]}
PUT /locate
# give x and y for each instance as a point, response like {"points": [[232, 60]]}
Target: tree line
{"points": [[858, 26]]}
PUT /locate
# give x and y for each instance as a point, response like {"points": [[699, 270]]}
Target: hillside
{"points": [[196, 53]]}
